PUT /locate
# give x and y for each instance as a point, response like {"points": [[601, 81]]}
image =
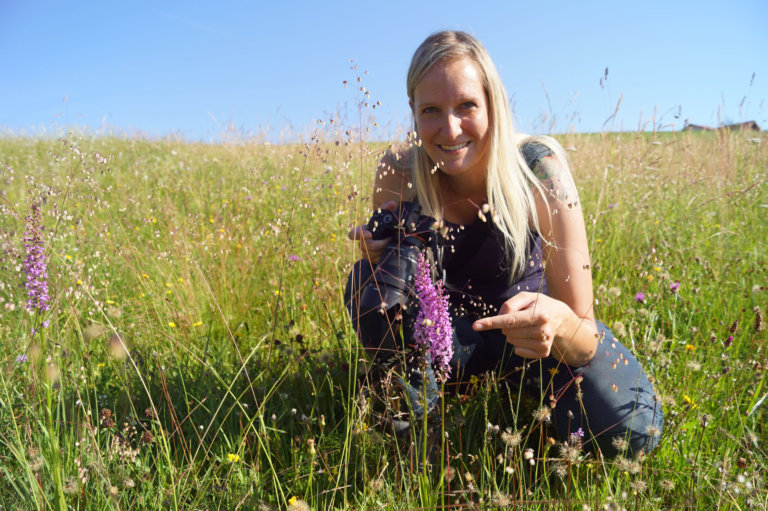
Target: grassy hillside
{"points": [[197, 354]]}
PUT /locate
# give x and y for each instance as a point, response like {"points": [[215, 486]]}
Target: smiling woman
{"points": [[511, 245]]}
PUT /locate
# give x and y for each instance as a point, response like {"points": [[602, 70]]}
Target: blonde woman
{"points": [[515, 256]]}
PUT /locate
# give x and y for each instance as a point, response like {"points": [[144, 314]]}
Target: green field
{"points": [[198, 354]]}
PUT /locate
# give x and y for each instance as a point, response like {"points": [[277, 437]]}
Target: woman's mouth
{"points": [[454, 147]]}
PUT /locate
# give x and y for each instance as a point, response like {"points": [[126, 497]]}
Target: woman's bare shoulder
{"points": [[393, 176], [398, 158]]}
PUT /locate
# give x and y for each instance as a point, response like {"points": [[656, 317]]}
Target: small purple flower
{"points": [[640, 297], [612, 205], [576, 437], [34, 264], [294, 257], [21, 358], [674, 286], [729, 341], [433, 332]]}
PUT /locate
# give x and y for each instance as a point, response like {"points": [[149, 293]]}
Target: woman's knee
{"points": [[618, 401]]}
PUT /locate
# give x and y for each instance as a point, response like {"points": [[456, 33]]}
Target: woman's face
{"points": [[451, 113]]}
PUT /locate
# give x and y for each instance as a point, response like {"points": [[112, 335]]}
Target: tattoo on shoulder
{"points": [[557, 181]]}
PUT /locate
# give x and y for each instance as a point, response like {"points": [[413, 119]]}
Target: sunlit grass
{"points": [[204, 358]]}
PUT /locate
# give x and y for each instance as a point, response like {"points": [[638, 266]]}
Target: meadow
{"points": [[197, 353]]}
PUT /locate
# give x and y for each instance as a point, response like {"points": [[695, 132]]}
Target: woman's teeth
{"points": [[455, 147]]}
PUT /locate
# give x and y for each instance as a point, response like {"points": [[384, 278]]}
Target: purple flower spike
{"points": [[433, 331], [640, 297], [34, 264], [674, 286]]}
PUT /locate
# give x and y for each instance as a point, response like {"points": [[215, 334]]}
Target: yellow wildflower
{"points": [[233, 458], [690, 347], [172, 324]]}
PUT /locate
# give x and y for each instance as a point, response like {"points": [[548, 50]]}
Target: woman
{"points": [[516, 261]]}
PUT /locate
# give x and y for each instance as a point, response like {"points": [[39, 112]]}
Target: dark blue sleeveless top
{"points": [[473, 259]]}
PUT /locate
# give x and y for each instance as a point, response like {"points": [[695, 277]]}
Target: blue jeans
{"points": [[607, 398]]}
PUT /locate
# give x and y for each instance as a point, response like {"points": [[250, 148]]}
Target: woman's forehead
{"points": [[457, 76]]}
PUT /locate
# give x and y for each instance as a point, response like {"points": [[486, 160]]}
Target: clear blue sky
{"points": [[192, 68]]}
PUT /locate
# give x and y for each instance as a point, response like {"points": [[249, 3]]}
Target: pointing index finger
{"points": [[494, 322]]}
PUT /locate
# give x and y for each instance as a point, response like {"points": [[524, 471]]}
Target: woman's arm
{"points": [[568, 267], [391, 185], [562, 322]]}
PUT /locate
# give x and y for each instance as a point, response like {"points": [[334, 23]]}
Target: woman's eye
{"points": [[468, 104]]}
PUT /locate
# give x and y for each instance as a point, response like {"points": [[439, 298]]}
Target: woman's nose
{"points": [[451, 125]]}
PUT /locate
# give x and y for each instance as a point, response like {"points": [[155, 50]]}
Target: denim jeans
{"points": [[607, 398]]}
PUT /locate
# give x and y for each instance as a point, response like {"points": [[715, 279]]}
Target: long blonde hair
{"points": [[510, 183]]}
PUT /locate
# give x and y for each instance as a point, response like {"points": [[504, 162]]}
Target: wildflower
{"points": [[667, 485], [619, 443], [171, 324], [34, 265], [640, 297], [528, 455], [376, 484], [542, 414], [36, 461], [295, 504], [759, 320], [147, 437], [690, 347], [433, 331], [570, 452], [560, 469], [294, 257], [233, 458], [71, 487], [511, 438], [652, 431], [674, 286], [627, 465], [473, 379], [21, 358]]}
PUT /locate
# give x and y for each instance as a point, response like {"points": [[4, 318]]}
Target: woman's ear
{"points": [[410, 104]]}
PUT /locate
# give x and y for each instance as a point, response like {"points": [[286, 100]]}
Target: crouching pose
{"points": [[500, 216]]}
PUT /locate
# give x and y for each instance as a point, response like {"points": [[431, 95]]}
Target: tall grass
{"points": [[198, 353]]}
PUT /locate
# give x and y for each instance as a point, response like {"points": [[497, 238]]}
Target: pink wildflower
{"points": [[433, 331], [34, 265]]}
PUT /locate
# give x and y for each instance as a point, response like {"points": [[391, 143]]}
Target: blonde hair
{"points": [[510, 183]]}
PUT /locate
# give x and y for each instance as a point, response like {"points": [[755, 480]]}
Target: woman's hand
{"points": [[532, 322], [371, 249]]}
